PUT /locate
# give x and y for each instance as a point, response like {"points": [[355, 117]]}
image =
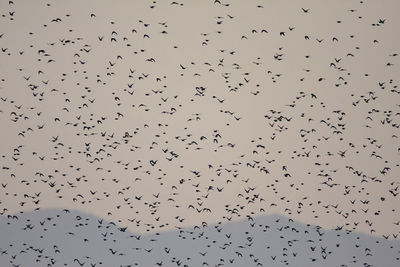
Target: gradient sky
{"points": [[219, 70]]}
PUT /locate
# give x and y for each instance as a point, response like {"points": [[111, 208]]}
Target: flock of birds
{"points": [[199, 133]]}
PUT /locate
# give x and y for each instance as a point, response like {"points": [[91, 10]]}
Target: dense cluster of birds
{"points": [[192, 125], [35, 239]]}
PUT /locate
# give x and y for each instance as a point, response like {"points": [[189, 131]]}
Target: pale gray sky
{"points": [[224, 66]]}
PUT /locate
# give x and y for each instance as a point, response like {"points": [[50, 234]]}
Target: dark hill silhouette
{"points": [[73, 238]]}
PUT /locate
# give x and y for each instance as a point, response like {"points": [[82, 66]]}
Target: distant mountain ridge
{"points": [[72, 238]]}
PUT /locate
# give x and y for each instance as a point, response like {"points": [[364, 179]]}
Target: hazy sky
{"points": [[146, 110]]}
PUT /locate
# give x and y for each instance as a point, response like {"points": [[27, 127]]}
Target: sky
{"points": [[176, 113]]}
